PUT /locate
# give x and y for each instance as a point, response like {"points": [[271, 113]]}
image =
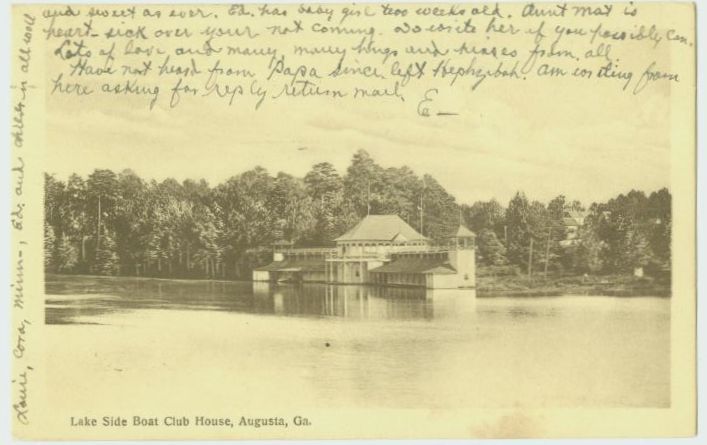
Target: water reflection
{"points": [[365, 302], [73, 299], [352, 346]]}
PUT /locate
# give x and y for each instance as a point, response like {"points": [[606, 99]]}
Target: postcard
{"points": [[353, 221]]}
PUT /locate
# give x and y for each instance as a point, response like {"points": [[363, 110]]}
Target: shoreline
{"points": [[505, 286], [617, 285], [608, 291]]}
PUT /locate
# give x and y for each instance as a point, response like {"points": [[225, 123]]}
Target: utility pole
{"points": [[422, 210], [530, 259], [368, 200], [98, 225], [547, 249]]}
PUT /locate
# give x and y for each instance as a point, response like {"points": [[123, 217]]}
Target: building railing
{"points": [[333, 253], [362, 256], [429, 249], [308, 251]]}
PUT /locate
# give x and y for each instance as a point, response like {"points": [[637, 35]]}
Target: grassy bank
{"points": [[491, 282]]}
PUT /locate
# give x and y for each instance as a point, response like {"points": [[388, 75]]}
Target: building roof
{"points": [[574, 218], [415, 264], [572, 221], [382, 228], [294, 265], [463, 232]]}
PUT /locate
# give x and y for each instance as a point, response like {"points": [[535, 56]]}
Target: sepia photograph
{"points": [[359, 281], [353, 221]]}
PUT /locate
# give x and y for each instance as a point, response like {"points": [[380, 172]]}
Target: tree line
{"points": [[112, 223], [630, 231]]}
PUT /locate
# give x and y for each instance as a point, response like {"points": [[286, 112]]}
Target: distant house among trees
{"points": [[573, 221]]}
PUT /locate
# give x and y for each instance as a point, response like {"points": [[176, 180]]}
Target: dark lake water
{"points": [[349, 345], [81, 299]]}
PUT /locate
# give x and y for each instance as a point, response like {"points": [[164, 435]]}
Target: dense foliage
{"points": [[110, 223]]}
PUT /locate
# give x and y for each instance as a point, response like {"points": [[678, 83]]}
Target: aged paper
{"points": [[320, 221]]}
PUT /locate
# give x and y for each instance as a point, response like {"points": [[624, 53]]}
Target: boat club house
{"points": [[382, 250]]}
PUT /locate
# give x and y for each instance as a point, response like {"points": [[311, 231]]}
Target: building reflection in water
{"points": [[73, 300], [367, 302]]}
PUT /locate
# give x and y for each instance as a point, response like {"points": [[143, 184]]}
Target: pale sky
{"points": [[585, 139], [589, 150]]}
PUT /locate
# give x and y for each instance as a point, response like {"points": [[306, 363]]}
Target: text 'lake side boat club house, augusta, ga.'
{"points": [[381, 250]]}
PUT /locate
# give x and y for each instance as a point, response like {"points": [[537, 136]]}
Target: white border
{"points": [[5, 436]]}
